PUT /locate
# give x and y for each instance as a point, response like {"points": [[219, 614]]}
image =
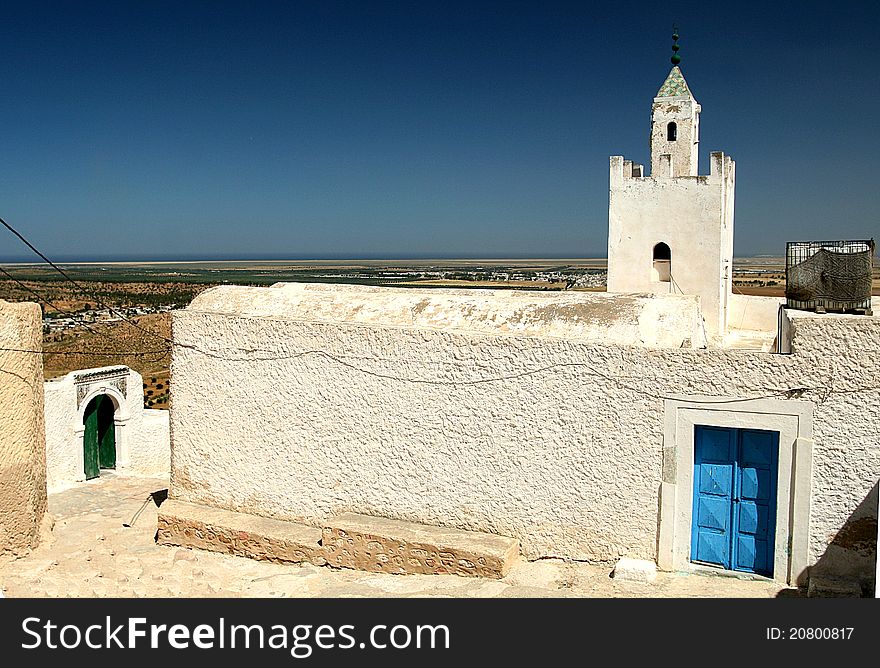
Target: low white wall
{"points": [[154, 454], [555, 440], [64, 452], [761, 314], [750, 313], [142, 436]]}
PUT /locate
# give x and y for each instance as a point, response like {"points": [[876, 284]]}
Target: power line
{"points": [[78, 286], [798, 391], [75, 316], [791, 392]]}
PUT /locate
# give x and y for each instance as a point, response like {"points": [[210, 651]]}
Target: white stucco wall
{"points": [[691, 215], [22, 444], [154, 455], [846, 460], [556, 440], [683, 152], [142, 438], [661, 321], [751, 313]]}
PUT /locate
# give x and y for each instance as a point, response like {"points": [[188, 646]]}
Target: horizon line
{"points": [[96, 260]]}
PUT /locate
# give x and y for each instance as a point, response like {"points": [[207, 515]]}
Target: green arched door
{"points": [[99, 437]]}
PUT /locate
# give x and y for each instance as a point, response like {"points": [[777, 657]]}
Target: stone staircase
{"points": [[360, 542]]}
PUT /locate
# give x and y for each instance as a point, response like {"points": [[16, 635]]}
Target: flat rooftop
{"points": [[656, 321]]}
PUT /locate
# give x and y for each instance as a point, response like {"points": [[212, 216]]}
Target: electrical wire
{"points": [[70, 314], [591, 370], [95, 298]]}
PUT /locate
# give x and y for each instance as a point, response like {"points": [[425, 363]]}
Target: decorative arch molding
{"points": [[113, 384], [120, 407], [115, 377]]}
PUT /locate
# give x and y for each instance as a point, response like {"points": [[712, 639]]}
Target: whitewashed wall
{"points": [[693, 215], [142, 436], [752, 313], [557, 440], [22, 446]]}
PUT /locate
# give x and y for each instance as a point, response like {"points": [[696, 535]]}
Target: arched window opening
{"points": [[661, 272], [671, 132]]}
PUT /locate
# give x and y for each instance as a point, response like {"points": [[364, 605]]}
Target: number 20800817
{"points": [[810, 633]]}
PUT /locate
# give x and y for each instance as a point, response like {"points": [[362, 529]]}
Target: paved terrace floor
{"points": [[91, 554]]}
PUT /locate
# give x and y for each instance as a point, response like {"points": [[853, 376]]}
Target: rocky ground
{"points": [[91, 553]]}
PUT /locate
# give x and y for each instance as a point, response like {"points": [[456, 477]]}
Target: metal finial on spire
{"points": [[676, 59]]}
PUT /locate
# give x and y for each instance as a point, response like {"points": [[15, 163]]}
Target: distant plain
{"points": [[92, 336]]}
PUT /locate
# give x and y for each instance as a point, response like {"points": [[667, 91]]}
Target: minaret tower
{"points": [[671, 231], [675, 124]]}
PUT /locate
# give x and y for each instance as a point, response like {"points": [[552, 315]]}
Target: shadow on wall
{"points": [[851, 555]]}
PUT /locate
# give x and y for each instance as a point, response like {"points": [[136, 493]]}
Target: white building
{"points": [[96, 421], [585, 425], [672, 231]]}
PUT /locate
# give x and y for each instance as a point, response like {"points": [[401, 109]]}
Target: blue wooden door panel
{"points": [[716, 479], [755, 501], [734, 513], [713, 548], [752, 519], [714, 514], [754, 483], [713, 493], [749, 554]]}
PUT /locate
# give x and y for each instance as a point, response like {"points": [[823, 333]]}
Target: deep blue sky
{"points": [[368, 129]]}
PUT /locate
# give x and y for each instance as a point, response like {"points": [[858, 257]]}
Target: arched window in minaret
{"points": [[661, 271], [671, 132]]}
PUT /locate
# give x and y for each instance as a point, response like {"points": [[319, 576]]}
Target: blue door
{"points": [[734, 516]]}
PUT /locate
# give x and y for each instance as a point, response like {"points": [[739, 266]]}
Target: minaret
{"points": [[671, 232], [675, 124]]}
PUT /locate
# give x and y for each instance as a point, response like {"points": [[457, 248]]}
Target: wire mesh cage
{"points": [[829, 275]]}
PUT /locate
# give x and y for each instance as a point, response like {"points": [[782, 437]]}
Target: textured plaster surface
{"points": [[22, 442], [693, 215], [846, 428], [657, 321], [142, 435], [557, 442]]}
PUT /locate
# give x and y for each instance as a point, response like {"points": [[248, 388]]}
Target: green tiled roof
{"points": [[675, 85]]}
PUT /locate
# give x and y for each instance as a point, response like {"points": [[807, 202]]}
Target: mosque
{"points": [[668, 423]]}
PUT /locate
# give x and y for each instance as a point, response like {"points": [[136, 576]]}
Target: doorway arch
{"points": [[99, 435]]}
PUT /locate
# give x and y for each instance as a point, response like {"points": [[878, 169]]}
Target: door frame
{"points": [[121, 420], [793, 420]]}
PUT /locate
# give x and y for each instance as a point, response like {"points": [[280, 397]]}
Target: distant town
{"points": [[57, 322]]}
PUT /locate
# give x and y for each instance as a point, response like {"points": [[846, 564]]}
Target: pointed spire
{"points": [[675, 85], [676, 59]]}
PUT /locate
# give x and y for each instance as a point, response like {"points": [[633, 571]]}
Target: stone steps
{"points": [[360, 542], [391, 546], [241, 534]]}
